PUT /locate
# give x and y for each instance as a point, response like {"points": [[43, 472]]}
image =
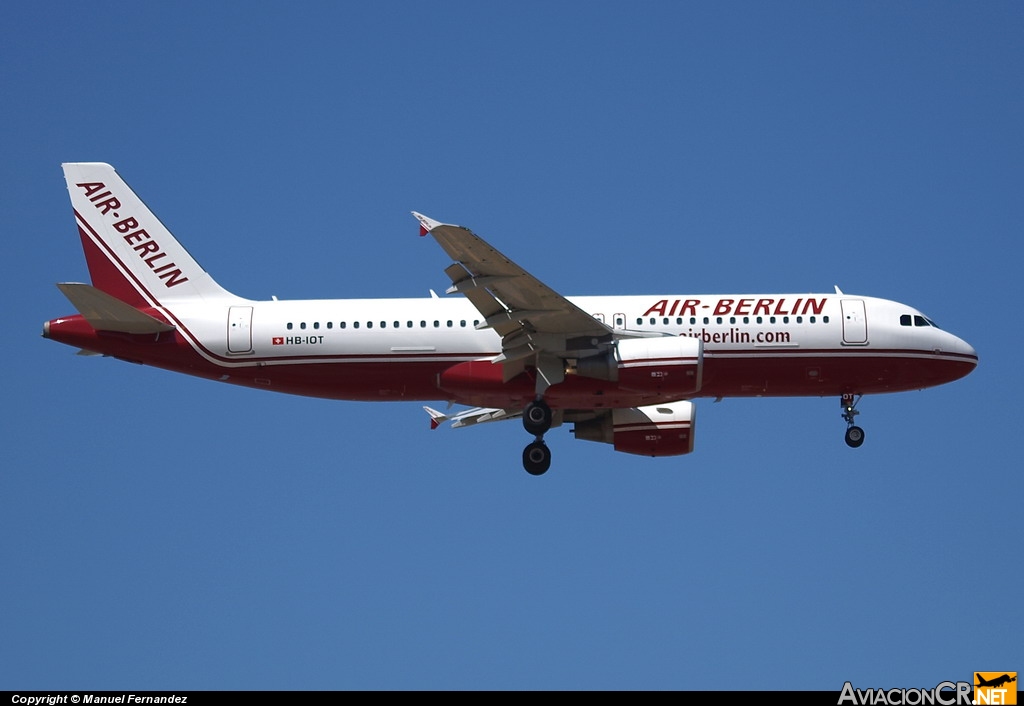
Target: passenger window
{"points": [[355, 324], [341, 325], [289, 325], [303, 326]]}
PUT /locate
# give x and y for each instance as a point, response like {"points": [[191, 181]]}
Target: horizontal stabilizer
{"points": [[108, 313]]}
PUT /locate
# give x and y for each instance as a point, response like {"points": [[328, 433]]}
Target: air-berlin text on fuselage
{"points": [[749, 306], [139, 240]]}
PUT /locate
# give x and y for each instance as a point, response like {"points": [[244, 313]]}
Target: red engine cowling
{"points": [[670, 365], [657, 430]]}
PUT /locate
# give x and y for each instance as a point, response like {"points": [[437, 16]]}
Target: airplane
{"points": [[623, 370], [995, 682]]}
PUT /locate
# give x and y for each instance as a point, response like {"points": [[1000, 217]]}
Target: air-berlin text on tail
{"points": [[139, 240], [768, 306]]}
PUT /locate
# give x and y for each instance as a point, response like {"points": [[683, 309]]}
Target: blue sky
{"points": [[163, 532]]}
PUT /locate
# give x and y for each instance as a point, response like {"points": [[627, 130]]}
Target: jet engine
{"points": [[657, 430], [670, 365]]}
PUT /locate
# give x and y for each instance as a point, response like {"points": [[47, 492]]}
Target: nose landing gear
{"points": [[537, 458], [854, 434], [537, 420]]}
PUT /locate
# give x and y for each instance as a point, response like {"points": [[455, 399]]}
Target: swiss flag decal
{"points": [[278, 340]]}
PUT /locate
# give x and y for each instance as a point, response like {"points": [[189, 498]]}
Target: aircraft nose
{"points": [[971, 352], [964, 350]]}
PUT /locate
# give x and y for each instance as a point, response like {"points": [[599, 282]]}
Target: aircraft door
{"points": [[619, 321], [855, 322], [240, 329]]}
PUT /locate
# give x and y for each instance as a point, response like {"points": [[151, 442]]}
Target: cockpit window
{"points": [[916, 320]]}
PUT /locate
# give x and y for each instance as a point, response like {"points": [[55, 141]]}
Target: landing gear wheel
{"points": [[854, 437], [854, 434], [537, 418], [537, 458]]}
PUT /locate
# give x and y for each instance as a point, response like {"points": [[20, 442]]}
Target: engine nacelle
{"points": [[671, 365], [657, 430]]}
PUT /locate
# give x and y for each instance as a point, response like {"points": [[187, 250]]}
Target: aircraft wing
{"points": [[536, 324], [469, 417]]}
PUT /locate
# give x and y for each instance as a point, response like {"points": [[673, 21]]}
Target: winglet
{"points": [[426, 224], [436, 418]]}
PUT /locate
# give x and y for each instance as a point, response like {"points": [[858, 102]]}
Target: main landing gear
{"points": [[537, 420], [854, 434]]}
